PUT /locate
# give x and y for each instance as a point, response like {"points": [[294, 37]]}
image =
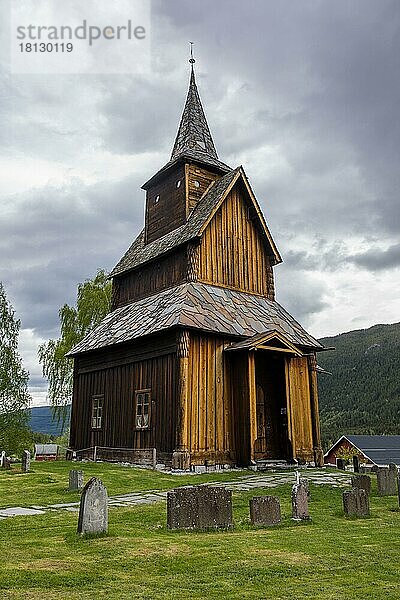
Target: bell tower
{"points": [[173, 192]]}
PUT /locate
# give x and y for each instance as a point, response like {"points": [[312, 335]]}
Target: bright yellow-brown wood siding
{"points": [[232, 251]]}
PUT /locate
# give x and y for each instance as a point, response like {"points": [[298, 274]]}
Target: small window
{"points": [[97, 411], [156, 199], [196, 184], [178, 183], [142, 409]]}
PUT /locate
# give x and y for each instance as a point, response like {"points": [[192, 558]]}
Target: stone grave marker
{"points": [[75, 480], [356, 503], [356, 463], [26, 461], [2, 459], [361, 482], [386, 479], [398, 487], [93, 509], [341, 464], [199, 507], [5, 461], [265, 510], [300, 500]]}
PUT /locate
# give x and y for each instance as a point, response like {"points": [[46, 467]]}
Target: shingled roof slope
{"points": [[193, 132], [140, 253], [198, 306]]}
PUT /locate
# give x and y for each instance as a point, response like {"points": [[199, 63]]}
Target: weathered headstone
{"points": [[356, 503], [398, 487], [6, 463], [199, 507], [300, 500], [26, 461], [341, 464], [356, 463], [75, 480], [93, 509], [386, 479], [361, 482], [265, 510]]}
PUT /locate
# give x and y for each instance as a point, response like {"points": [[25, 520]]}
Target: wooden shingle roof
{"points": [[193, 132], [197, 306]]}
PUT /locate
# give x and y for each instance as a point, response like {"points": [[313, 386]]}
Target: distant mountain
{"points": [[41, 420], [362, 395]]}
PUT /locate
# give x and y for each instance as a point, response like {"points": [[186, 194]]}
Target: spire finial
{"points": [[191, 59]]}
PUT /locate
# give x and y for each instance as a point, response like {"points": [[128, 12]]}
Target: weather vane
{"points": [[191, 59]]}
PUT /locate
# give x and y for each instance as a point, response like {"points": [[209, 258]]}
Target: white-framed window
{"points": [[142, 409], [97, 411]]}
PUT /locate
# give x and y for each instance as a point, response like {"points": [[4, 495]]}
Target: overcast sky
{"points": [[304, 94]]}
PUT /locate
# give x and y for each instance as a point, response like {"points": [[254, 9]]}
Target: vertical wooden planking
{"points": [[252, 402], [202, 396], [219, 394], [211, 393], [233, 252]]}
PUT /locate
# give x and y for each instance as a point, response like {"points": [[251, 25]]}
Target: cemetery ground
{"points": [[329, 557]]}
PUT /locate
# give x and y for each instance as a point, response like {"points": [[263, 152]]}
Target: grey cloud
{"points": [[302, 295], [61, 236], [378, 260]]}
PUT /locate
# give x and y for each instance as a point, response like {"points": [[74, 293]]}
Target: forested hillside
{"points": [[41, 420], [362, 394]]}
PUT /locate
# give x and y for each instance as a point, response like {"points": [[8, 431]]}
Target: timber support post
{"points": [[252, 404], [316, 432], [181, 454]]}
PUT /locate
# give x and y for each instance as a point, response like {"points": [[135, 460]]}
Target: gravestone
{"points": [[93, 509], [199, 507], [300, 500], [5, 462], [356, 463], [386, 479], [75, 480], [356, 503], [361, 482], [26, 461], [341, 464], [265, 510], [398, 487]]}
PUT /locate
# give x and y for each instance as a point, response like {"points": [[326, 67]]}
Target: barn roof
{"points": [[46, 449], [198, 306], [380, 449], [140, 252]]}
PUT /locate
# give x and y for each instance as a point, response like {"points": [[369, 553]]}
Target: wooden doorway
{"points": [[271, 407]]}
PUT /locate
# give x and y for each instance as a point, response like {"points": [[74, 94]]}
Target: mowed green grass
{"points": [[329, 558], [47, 482]]}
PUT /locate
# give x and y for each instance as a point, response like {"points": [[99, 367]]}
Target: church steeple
{"points": [[174, 191], [194, 135]]}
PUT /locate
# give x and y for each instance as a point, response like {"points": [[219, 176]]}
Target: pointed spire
{"points": [[193, 133]]}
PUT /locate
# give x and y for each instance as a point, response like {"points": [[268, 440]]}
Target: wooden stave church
{"points": [[197, 360]]}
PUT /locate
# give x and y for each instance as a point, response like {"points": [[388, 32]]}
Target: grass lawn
{"points": [[329, 558], [47, 483]]}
